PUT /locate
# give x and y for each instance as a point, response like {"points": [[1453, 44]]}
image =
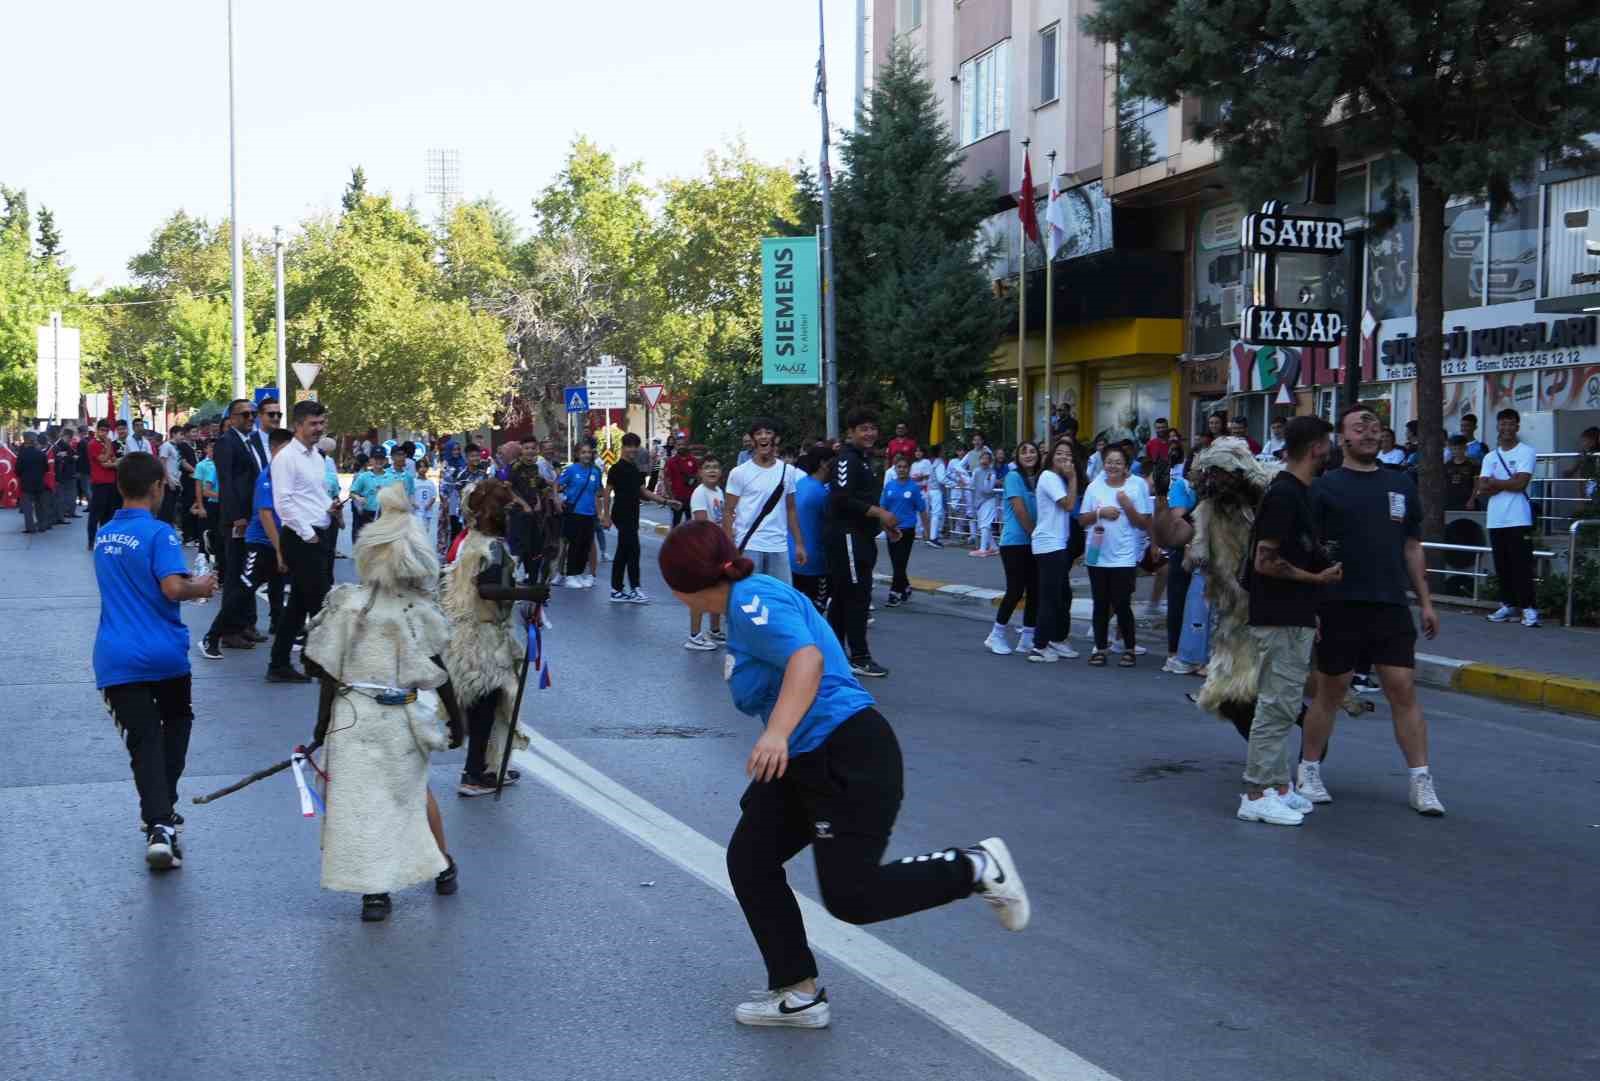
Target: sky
{"points": [[116, 114]]}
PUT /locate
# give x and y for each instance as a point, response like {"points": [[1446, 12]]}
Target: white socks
{"points": [[999, 630], [1418, 771]]}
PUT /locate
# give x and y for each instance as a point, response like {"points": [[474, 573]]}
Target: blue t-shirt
{"points": [[141, 637], [904, 497], [811, 508], [1011, 531], [205, 472], [406, 477], [769, 622], [1180, 496], [579, 485], [255, 532]]}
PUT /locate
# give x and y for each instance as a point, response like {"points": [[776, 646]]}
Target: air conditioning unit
{"points": [[1232, 305]]}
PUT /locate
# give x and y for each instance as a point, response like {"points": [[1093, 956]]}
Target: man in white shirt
{"points": [[171, 462], [300, 498], [756, 523], [138, 440], [1506, 471], [922, 476]]}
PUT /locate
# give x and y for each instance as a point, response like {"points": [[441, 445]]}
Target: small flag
{"points": [[1027, 213], [1055, 220]]}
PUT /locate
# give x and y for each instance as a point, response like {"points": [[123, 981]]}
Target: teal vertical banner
{"points": [[791, 326]]}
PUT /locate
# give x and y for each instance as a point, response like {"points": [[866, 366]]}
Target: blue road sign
{"points": [[263, 393], [577, 399]]}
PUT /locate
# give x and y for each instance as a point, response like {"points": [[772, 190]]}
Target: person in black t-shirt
{"points": [[1287, 572], [625, 489], [1372, 523], [1460, 477]]}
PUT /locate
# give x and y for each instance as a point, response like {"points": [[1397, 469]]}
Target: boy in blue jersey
{"points": [[902, 497], [825, 773], [141, 647], [811, 511], [263, 555]]}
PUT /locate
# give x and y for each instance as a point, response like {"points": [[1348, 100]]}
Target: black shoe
{"points": [[445, 882], [375, 907], [253, 634], [868, 667], [161, 848], [894, 600], [210, 650], [237, 641], [288, 674]]}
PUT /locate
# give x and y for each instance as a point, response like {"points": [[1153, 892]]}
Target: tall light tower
{"points": [[444, 178], [237, 241]]}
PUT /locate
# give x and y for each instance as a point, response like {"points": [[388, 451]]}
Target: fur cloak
{"points": [[487, 642]]}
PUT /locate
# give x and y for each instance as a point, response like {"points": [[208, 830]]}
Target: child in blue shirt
{"points": [[141, 647], [263, 554], [826, 772], [904, 497]]}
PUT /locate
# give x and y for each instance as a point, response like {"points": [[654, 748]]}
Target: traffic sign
{"points": [[608, 386], [305, 394], [651, 393], [306, 372], [577, 399]]}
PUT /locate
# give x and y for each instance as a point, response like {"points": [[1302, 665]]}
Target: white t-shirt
{"points": [[752, 485], [1508, 509], [1051, 531], [708, 499], [169, 461], [1122, 543], [922, 473]]}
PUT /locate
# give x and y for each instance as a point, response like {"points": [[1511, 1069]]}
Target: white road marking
{"points": [[955, 1009]]}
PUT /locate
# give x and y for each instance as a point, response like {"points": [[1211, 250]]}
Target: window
{"points": [[1141, 130], [984, 108], [907, 15], [1047, 64], [1568, 267]]}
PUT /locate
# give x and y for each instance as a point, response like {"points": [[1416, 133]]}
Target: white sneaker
{"points": [[1503, 614], [996, 643], [784, 1009], [558, 580], [573, 582], [1138, 651], [636, 596], [1308, 783], [1424, 800], [588, 582], [1270, 809], [1177, 667], [699, 642], [1025, 641], [618, 597], [1296, 802], [1061, 649], [1001, 886], [1047, 655], [1530, 617]]}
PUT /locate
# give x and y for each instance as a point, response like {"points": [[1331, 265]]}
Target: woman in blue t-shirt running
{"points": [[825, 772]]}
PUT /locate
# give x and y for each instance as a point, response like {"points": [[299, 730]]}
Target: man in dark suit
{"points": [[31, 466], [238, 464]]}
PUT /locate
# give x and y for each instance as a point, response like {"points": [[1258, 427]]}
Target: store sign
{"points": [[1291, 326], [791, 344], [1266, 232], [1550, 343]]}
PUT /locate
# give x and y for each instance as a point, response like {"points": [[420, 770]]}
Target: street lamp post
{"points": [[233, 228], [829, 318], [283, 356]]}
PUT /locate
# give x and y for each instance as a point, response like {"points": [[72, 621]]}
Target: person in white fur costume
{"points": [[488, 636], [376, 649]]}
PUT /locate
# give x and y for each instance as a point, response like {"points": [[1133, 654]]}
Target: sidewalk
{"points": [[1552, 666]]}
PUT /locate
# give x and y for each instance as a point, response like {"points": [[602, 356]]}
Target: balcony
{"points": [[988, 157], [1121, 283]]}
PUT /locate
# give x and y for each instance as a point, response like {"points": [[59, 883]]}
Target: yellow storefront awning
{"points": [[1103, 340]]}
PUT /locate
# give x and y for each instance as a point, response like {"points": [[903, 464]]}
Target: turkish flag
{"points": [[1027, 211]]}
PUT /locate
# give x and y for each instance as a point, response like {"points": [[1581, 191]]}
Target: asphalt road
{"points": [[1170, 941]]}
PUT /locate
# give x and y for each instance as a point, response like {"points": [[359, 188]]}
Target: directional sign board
{"points": [[577, 399], [608, 387], [651, 393]]}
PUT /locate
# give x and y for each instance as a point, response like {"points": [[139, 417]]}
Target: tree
{"points": [[1474, 93], [918, 321], [479, 245], [49, 236], [356, 190], [30, 289]]}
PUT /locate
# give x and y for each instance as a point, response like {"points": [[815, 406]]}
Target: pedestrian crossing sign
{"points": [[577, 399]]}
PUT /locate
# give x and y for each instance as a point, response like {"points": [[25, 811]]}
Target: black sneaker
{"points": [[375, 907], [868, 667], [161, 848], [288, 674], [209, 649], [894, 600], [445, 881]]}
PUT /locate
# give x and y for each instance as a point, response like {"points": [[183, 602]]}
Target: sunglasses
{"points": [[274, 414]]}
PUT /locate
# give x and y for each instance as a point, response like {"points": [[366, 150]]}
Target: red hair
{"points": [[698, 555]]}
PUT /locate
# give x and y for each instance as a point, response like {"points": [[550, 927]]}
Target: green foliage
{"points": [[918, 322], [49, 236], [1475, 93], [1552, 593], [30, 289]]}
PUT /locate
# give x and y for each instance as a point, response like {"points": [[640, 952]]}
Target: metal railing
{"points": [[1557, 497], [1477, 573], [1572, 562]]}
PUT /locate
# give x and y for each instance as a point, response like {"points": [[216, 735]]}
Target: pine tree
{"points": [[918, 320], [49, 236], [356, 190], [1474, 92]]}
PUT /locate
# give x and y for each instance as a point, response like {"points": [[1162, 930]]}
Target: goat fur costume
{"points": [[385, 632], [487, 640]]}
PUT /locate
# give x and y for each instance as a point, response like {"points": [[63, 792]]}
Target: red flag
{"points": [[1027, 212]]}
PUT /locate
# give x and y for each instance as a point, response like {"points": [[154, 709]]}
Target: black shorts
{"points": [[1356, 631]]}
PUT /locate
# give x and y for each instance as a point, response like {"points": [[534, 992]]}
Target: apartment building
{"points": [[1009, 71], [1521, 292]]}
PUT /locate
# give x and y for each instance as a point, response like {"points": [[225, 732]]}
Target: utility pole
{"points": [[283, 356], [861, 53], [233, 229], [829, 310]]}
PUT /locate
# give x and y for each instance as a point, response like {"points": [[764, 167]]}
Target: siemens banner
{"points": [[791, 327]]}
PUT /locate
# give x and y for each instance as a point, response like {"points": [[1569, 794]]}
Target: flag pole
{"points": [[1050, 305], [1022, 313]]}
